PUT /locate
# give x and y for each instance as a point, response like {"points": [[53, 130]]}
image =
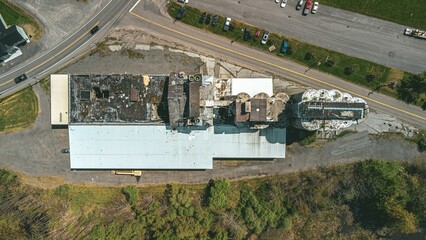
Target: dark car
{"points": [[21, 78], [208, 19], [284, 46], [215, 20], [94, 29], [202, 18], [181, 12], [65, 150], [256, 35], [246, 35]]}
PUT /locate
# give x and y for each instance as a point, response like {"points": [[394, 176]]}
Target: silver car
{"points": [[265, 37]]}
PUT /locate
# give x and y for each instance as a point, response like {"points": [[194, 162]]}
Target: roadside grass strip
{"points": [[18, 111], [371, 75]]}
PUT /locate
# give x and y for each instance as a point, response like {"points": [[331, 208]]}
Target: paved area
{"points": [[59, 20], [36, 151], [342, 31]]}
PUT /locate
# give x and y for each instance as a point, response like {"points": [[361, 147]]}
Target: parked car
{"points": [[226, 24], [246, 35], [283, 3], [256, 35], [277, 1], [208, 19], [299, 5], [94, 29], [183, 1], [181, 12], [284, 46], [308, 7], [21, 78], [265, 37], [202, 18], [65, 150], [215, 20], [315, 8]]}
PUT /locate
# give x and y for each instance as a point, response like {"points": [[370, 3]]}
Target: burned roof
{"points": [[258, 110], [115, 98]]}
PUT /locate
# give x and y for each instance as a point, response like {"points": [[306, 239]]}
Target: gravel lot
{"points": [[36, 151]]}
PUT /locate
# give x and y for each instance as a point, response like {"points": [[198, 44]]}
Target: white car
{"points": [[299, 5], [283, 3], [183, 1], [315, 8], [277, 1]]}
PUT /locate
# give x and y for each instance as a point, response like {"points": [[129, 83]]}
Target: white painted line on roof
{"points": [[134, 5]]}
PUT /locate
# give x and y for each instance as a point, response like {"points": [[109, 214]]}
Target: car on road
{"points": [[265, 37], [299, 5], [227, 24], [202, 18], [65, 150], [21, 78], [181, 12], [94, 29], [283, 3], [315, 8], [208, 19], [284, 46], [308, 7], [183, 1], [215, 20], [246, 34]]}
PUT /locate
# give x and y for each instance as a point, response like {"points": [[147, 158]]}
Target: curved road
{"points": [[353, 34], [44, 63], [221, 48]]}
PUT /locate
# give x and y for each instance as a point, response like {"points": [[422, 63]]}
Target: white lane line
{"points": [[134, 5]]}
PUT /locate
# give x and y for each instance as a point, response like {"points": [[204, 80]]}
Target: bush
{"points": [[7, 178], [370, 77], [329, 63], [132, 194], [348, 70], [309, 56], [62, 191], [421, 143]]}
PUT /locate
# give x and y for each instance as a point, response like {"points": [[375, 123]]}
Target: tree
{"points": [[309, 56], [412, 87], [218, 193], [348, 70]]}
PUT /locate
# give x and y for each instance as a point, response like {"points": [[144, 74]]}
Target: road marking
{"points": [[277, 66], [134, 5]]}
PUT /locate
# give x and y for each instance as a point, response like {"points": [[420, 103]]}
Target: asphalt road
{"points": [[46, 62], [342, 31], [209, 44]]}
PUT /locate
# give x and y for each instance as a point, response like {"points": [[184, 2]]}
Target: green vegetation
{"points": [[45, 85], [412, 89], [365, 200], [12, 14], [371, 75], [132, 54], [405, 12], [18, 111]]}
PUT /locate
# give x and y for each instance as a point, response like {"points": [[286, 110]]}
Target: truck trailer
{"points": [[415, 33]]}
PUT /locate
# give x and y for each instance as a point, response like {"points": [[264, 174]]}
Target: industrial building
{"points": [[175, 121], [327, 110]]}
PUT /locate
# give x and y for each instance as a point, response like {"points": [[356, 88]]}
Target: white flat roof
{"points": [[59, 99], [157, 147], [252, 86]]}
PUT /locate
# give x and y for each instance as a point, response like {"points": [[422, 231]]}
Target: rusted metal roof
{"points": [[258, 110]]}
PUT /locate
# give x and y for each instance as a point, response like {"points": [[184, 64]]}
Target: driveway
{"points": [[342, 31]]}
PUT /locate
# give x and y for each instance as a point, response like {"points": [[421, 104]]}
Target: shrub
{"points": [[370, 77], [348, 70], [7, 178], [62, 190], [309, 56], [329, 63], [132, 194]]}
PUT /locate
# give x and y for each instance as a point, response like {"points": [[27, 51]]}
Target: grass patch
{"points": [[132, 54], [405, 12], [45, 85], [13, 14], [18, 111], [359, 71]]}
